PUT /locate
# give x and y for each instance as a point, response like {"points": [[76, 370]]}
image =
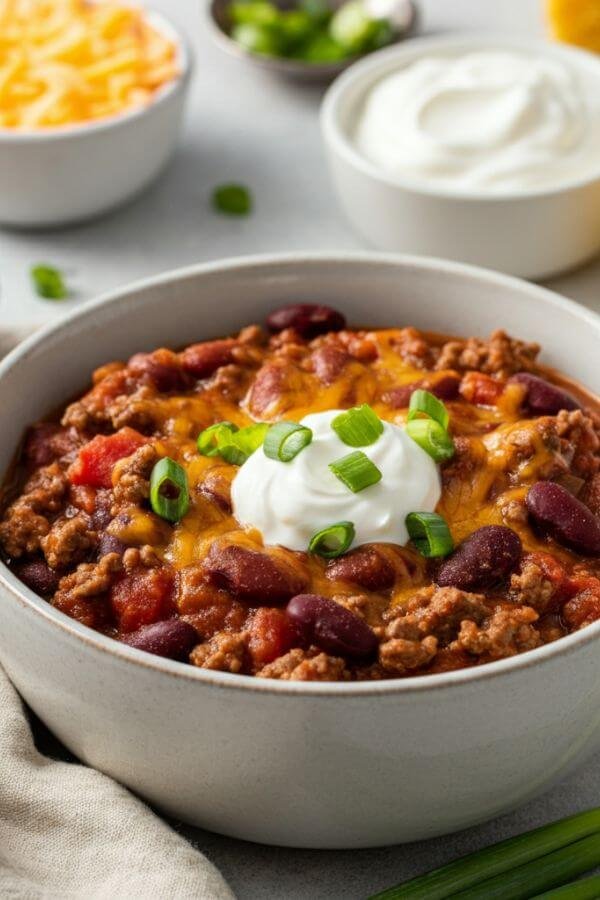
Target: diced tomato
{"points": [[142, 598], [96, 459], [553, 572], [481, 389], [271, 635], [584, 607]]}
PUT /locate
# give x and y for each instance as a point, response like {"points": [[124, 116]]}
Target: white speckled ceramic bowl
{"points": [[54, 177], [530, 233], [293, 763]]}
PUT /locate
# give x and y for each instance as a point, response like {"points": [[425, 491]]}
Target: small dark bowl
{"points": [[297, 70]]}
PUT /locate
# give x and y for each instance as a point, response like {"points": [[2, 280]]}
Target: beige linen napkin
{"points": [[67, 831]]}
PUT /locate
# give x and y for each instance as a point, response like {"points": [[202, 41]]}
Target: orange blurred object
{"points": [[576, 22]]}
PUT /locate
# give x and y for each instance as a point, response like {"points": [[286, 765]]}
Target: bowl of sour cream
{"points": [[480, 149]]}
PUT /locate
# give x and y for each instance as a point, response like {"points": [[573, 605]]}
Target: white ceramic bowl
{"points": [[533, 233], [58, 176], [295, 763]]}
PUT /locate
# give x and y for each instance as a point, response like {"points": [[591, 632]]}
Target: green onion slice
{"points": [[231, 443], [215, 436], [48, 282], [356, 471], [285, 440], [430, 534], [232, 199], [169, 493], [422, 403], [359, 426], [332, 541], [432, 438]]}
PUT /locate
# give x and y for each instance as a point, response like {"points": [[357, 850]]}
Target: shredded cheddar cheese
{"points": [[66, 62]]}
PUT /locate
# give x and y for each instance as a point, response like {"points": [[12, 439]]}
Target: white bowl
{"points": [[57, 176], [296, 763], [533, 233]]}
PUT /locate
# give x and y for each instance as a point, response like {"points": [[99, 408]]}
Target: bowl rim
{"points": [[163, 95], [364, 70], [121, 653]]}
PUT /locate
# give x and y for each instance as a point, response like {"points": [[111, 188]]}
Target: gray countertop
{"points": [[243, 126]]}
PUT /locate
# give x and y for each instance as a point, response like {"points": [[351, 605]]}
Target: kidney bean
{"points": [[446, 388], [329, 362], [203, 360], [160, 369], [365, 567], [543, 398], [486, 557], [173, 639], [331, 627], [38, 576], [252, 576], [564, 516], [308, 319]]}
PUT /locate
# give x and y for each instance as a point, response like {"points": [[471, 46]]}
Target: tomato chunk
{"points": [[142, 598], [481, 389], [271, 635], [584, 607], [96, 459]]}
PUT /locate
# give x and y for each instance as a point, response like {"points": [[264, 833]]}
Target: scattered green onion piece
{"points": [[585, 889], [432, 438], [285, 440], [358, 427], [505, 857], [49, 282], [232, 199], [210, 439], [332, 541], [422, 403], [430, 534], [169, 493], [356, 471]]}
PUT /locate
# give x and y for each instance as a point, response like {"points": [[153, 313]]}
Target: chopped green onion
{"points": [[285, 440], [430, 534], [332, 541], [49, 282], [239, 445], [211, 438], [231, 443], [432, 438], [169, 493], [422, 403], [358, 427], [251, 437], [508, 857], [232, 199], [356, 471]]}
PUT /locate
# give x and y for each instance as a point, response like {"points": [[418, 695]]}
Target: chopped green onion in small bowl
{"points": [[311, 40]]}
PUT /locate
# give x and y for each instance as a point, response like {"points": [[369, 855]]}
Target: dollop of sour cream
{"points": [[491, 120], [289, 502]]}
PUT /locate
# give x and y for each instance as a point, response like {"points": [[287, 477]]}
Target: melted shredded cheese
{"points": [[64, 62]]}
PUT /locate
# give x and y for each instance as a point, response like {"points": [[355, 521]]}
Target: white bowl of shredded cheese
{"points": [[480, 149], [90, 108]]}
